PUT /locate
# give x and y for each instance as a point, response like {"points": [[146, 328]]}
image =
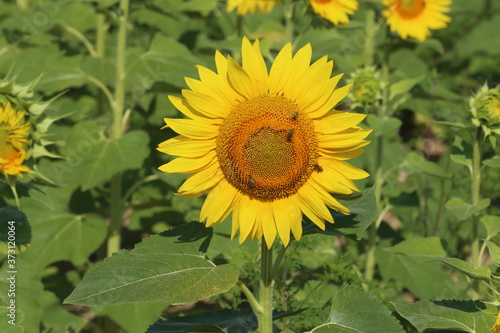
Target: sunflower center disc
{"points": [[267, 148], [410, 8]]}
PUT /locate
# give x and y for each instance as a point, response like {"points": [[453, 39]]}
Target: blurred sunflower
{"points": [[266, 146], [14, 137], [496, 326], [414, 18], [250, 6], [335, 11]]}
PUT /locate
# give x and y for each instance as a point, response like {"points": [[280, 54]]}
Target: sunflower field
{"points": [[171, 166]]}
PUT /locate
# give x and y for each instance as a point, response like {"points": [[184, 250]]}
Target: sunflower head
{"points": [[266, 145], [496, 325], [244, 7], [485, 108], [335, 11], [366, 89], [415, 18], [22, 127], [15, 137]]}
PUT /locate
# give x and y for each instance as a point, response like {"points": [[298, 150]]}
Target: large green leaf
{"points": [[494, 251], [106, 158], [421, 275], [357, 311], [63, 236], [467, 316], [28, 291], [478, 273], [163, 268], [133, 317], [419, 246], [415, 163], [15, 230], [363, 213], [492, 225], [464, 210]]}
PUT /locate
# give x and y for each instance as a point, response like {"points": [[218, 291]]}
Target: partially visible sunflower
{"points": [[414, 18], [335, 11], [496, 326], [266, 146], [14, 137], [250, 6], [485, 108]]}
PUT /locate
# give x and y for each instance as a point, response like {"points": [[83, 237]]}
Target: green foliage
{"points": [[427, 201], [142, 275], [355, 310], [464, 316]]}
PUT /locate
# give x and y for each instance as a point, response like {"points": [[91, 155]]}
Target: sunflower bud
{"points": [[485, 108], [365, 91]]}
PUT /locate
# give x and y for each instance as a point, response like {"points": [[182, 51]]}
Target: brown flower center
{"points": [[267, 148]]}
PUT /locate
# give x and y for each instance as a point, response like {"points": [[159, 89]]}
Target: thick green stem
{"points": [[289, 21], [11, 180], [266, 290], [476, 185], [114, 238]]}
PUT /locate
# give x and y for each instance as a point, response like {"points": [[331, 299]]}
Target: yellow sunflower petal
{"points": [[218, 204], [240, 80], [268, 223], [280, 70], [253, 64], [192, 129], [188, 165], [186, 147]]}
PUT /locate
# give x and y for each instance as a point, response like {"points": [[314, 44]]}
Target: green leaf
{"points": [[421, 275], [415, 163], [133, 317], [404, 86], [419, 246], [492, 225], [464, 210], [477, 273], [241, 321], [55, 318], [63, 236], [28, 291], [494, 251], [106, 158], [467, 316], [355, 310], [387, 127], [163, 268], [493, 162], [363, 213], [461, 152], [15, 230]]}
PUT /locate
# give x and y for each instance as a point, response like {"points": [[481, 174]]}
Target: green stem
{"points": [[379, 179], [369, 49], [257, 309], [114, 237], [266, 289], [476, 185], [289, 21], [82, 38], [11, 180], [279, 257]]}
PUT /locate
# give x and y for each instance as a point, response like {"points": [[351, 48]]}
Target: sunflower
{"points": [[14, 133], [334, 11], [266, 146], [414, 18], [496, 326], [250, 6]]}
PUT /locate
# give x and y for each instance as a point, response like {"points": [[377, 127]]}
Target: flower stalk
{"points": [[265, 317], [114, 238], [476, 186]]}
